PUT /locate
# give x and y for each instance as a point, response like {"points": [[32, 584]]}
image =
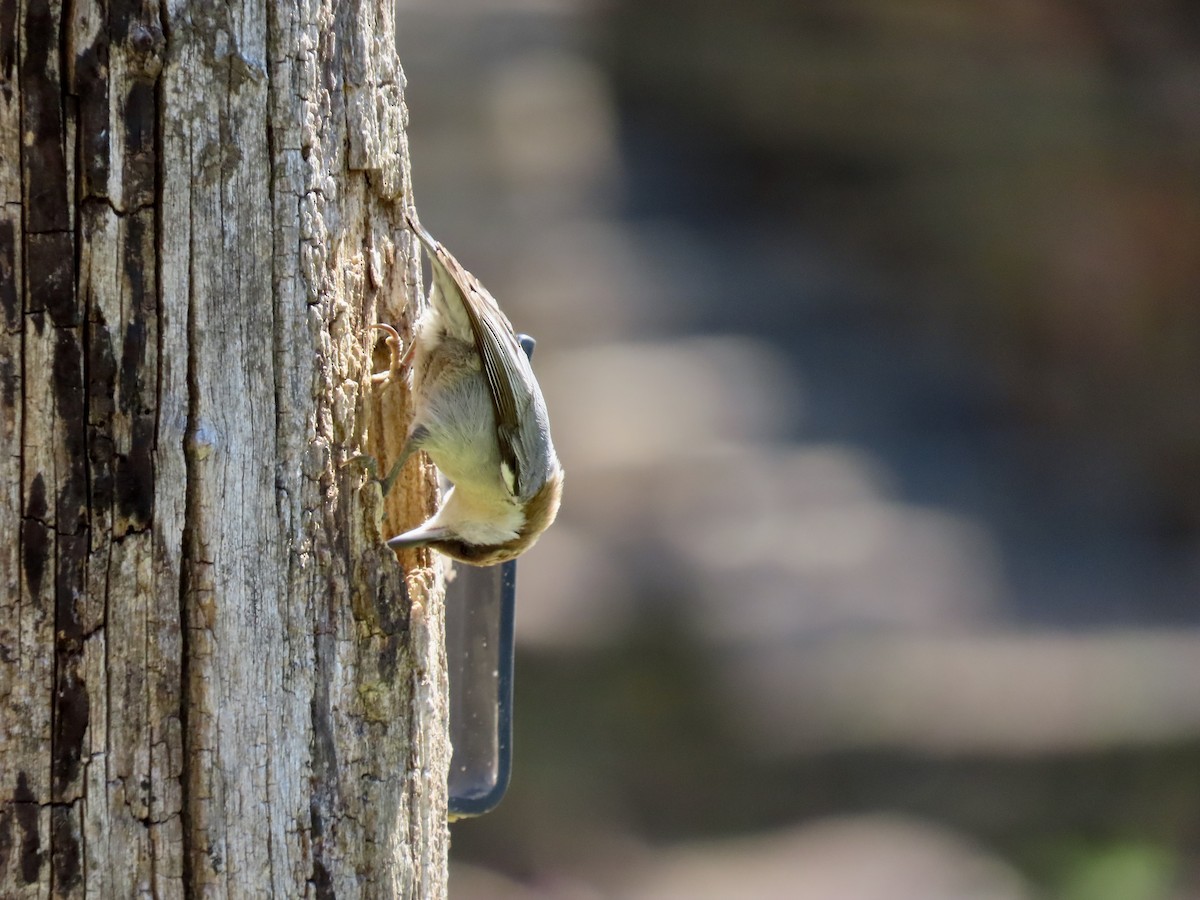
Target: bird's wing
{"points": [[509, 377]]}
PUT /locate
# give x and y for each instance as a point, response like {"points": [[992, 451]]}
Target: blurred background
{"points": [[871, 336]]}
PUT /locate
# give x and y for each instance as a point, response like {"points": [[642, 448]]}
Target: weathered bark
{"points": [[214, 678]]}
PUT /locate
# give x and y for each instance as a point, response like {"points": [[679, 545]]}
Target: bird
{"points": [[480, 416]]}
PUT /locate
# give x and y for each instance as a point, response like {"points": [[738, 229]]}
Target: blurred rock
{"points": [[986, 694], [469, 882], [554, 132], [643, 405], [783, 545], [573, 592], [583, 282], [859, 858]]}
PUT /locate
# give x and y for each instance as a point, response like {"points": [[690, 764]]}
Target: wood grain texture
{"points": [[215, 679]]}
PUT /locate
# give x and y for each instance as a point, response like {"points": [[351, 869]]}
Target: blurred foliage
{"points": [[1115, 871]]}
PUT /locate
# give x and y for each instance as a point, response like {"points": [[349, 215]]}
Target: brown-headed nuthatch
{"points": [[479, 414]]}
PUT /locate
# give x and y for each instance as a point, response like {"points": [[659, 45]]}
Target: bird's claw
{"points": [[371, 464], [398, 360]]}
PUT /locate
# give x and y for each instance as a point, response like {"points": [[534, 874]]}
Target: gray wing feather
{"points": [[511, 383]]}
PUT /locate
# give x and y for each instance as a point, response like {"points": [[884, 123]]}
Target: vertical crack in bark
{"points": [[324, 757], [189, 559], [159, 190], [277, 379], [159, 139], [19, 247], [77, 874]]}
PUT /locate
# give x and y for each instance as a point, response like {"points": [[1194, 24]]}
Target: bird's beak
{"points": [[419, 537]]}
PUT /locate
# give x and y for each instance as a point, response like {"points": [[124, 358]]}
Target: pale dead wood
{"points": [[214, 679]]}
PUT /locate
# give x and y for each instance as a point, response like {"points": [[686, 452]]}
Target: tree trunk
{"points": [[215, 680]]}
